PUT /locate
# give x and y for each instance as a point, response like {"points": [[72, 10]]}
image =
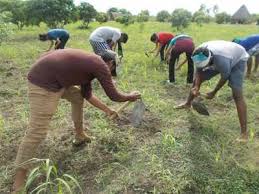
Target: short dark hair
{"points": [[43, 37], [153, 37], [124, 37]]}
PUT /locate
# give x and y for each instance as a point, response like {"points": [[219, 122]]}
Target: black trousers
{"points": [[173, 59], [162, 51]]}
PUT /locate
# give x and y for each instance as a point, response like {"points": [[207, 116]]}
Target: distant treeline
{"points": [[57, 13]]}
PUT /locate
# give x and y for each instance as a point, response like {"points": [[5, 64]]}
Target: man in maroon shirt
{"points": [[161, 39], [54, 76]]}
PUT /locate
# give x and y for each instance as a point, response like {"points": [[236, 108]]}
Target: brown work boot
{"points": [[81, 139]]}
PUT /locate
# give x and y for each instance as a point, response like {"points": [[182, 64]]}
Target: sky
{"points": [[154, 6]]}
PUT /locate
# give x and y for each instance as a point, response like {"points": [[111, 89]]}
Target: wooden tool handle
{"points": [[124, 105], [203, 95]]}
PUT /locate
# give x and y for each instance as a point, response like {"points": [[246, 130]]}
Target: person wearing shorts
{"points": [[178, 45], [251, 44], [60, 36], [229, 60]]}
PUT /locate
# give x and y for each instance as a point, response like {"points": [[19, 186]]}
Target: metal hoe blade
{"points": [[200, 108], [137, 113]]}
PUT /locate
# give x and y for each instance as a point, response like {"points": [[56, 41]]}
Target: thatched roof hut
{"points": [[241, 16]]}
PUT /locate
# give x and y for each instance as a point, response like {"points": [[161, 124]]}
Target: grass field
{"points": [[173, 151]]}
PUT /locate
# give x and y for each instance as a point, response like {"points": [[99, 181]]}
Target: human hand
{"points": [[210, 95], [133, 96], [195, 91], [167, 59], [112, 114]]}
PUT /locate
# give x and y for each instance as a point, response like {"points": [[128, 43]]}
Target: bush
{"points": [[222, 18], [101, 17], [181, 18], [143, 16], [55, 13], [4, 29], [163, 16], [125, 19], [87, 12], [200, 17]]}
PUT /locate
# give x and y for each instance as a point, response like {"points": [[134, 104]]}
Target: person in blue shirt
{"points": [[251, 44], [60, 36]]}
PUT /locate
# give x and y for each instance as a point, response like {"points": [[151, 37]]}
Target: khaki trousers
{"points": [[43, 105]]}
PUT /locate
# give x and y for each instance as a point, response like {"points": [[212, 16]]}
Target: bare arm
{"points": [[220, 84], [181, 64], [113, 45], [154, 48], [158, 50], [168, 51], [93, 100], [57, 43]]}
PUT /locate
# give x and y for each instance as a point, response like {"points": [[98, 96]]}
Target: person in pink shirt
{"points": [[161, 39]]}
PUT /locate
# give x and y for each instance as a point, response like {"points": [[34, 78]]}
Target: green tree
{"points": [[55, 13], [181, 18], [125, 19], [101, 17], [111, 11], [143, 16], [254, 18], [124, 12], [18, 10], [87, 12], [4, 29], [163, 16], [201, 17], [222, 17]]}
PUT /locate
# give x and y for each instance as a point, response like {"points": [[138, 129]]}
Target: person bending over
{"points": [[59, 36], [107, 38], [229, 60], [54, 76], [251, 44], [161, 39], [178, 45]]}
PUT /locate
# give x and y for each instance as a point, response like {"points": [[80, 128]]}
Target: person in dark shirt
{"points": [[180, 44], [60, 36], [56, 75]]}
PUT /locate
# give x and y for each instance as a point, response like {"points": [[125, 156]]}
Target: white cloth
{"points": [[227, 49], [102, 34]]}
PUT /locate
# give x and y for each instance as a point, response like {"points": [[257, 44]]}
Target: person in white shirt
{"points": [[107, 38], [229, 60]]}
